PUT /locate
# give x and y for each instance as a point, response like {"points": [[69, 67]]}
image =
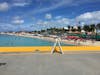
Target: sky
{"points": [[30, 15]]}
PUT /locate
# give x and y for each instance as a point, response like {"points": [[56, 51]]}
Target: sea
{"points": [[12, 40]]}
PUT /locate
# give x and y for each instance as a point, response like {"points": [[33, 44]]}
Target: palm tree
{"points": [[92, 27], [79, 28], [97, 31], [98, 26], [69, 28], [42, 31], [86, 28], [73, 30]]}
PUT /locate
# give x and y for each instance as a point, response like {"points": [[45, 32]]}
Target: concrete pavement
{"points": [[47, 64]]}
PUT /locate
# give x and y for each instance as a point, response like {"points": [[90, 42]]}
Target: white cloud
{"points": [[58, 17], [21, 3], [64, 21], [17, 20], [58, 3], [7, 27], [51, 5], [89, 17], [53, 23], [85, 16], [39, 22], [48, 16], [16, 17], [4, 6], [45, 22]]}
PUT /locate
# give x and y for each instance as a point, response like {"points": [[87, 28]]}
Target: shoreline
{"points": [[44, 38], [65, 41]]}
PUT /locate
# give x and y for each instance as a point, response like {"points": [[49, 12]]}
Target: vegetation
{"points": [[98, 26], [86, 28]]}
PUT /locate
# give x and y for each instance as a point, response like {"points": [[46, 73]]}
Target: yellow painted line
{"points": [[48, 48], [24, 49], [81, 48]]}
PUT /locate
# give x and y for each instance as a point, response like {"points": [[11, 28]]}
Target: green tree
{"points": [[42, 31], [69, 28], [72, 29], [35, 31], [79, 28], [86, 28], [92, 27], [98, 26]]}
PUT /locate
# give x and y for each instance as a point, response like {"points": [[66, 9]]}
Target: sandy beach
{"points": [[52, 39]]}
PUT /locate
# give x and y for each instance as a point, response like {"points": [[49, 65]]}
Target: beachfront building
{"points": [[83, 31], [66, 28], [75, 27]]}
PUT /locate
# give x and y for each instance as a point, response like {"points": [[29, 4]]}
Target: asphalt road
{"points": [[46, 64]]}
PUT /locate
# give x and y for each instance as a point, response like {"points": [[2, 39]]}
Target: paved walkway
{"points": [[47, 64]]}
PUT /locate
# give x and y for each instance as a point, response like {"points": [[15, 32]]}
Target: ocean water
{"points": [[11, 40]]}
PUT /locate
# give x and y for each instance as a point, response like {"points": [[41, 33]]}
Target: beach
{"points": [[52, 39]]}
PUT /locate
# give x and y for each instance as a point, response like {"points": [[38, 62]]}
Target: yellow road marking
{"points": [[48, 48]]}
